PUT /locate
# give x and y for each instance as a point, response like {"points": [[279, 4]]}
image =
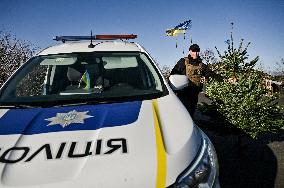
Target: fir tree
{"points": [[241, 96]]}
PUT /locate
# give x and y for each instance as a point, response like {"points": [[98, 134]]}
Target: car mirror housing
{"points": [[178, 82]]}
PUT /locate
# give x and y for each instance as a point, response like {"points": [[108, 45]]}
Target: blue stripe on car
{"points": [[33, 120]]}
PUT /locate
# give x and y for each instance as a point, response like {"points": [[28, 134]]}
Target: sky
{"points": [[260, 22]]}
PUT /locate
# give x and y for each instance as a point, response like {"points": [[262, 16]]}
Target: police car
{"points": [[98, 113]]}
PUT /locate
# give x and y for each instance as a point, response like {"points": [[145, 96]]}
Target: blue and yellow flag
{"points": [[181, 28], [86, 79]]}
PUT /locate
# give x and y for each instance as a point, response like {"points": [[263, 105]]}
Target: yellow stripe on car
{"points": [[161, 153]]}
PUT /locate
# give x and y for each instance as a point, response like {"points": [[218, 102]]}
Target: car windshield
{"points": [[83, 77]]}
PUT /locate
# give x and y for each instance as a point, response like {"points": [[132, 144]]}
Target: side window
{"points": [[148, 80], [150, 74], [32, 83]]}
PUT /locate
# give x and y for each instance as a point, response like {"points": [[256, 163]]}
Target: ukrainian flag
{"points": [[181, 28], [86, 79], [174, 32]]}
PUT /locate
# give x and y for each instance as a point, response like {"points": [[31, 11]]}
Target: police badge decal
{"points": [[65, 119]]}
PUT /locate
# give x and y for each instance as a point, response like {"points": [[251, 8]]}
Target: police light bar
{"points": [[94, 37]]}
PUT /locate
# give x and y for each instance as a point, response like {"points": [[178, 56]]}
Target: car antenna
{"points": [[91, 45]]}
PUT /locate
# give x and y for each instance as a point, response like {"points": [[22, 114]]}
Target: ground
{"points": [[257, 163]]}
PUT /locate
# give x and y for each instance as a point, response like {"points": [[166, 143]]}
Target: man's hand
{"points": [[232, 80], [203, 80]]}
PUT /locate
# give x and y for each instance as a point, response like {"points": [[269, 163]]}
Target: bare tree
{"points": [[208, 56], [13, 53], [280, 66], [165, 70], [279, 73]]}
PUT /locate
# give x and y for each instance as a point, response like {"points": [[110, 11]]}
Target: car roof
{"points": [[71, 47]]}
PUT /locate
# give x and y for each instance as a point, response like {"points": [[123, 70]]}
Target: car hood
{"points": [[123, 144]]}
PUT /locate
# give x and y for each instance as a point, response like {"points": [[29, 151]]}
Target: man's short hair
{"points": [[194, 48]]}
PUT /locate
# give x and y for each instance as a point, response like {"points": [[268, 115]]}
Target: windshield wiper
{"points": [[20, 106], [70, 104]]}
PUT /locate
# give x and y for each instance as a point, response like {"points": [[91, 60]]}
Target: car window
{"points": [[83, 75]]}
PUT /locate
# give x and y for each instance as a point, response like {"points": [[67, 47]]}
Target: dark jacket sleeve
{"points": [[179, 68], [207, 72]]}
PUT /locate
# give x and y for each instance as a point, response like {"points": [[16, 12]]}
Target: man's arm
{"points": [[179, 68], [207, 72]]}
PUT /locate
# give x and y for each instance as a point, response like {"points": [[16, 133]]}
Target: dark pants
{"points": [[189, 98]]}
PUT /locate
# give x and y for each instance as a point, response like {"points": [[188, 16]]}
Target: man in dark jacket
{"points": [[194, 69]]}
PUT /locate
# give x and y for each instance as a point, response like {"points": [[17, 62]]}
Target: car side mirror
{"points": [[178, 82]]}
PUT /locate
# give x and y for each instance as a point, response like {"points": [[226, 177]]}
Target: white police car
{"points": [[99, 115]]}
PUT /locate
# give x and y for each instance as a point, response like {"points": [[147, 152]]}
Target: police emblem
{"points": [[65, 119]]}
